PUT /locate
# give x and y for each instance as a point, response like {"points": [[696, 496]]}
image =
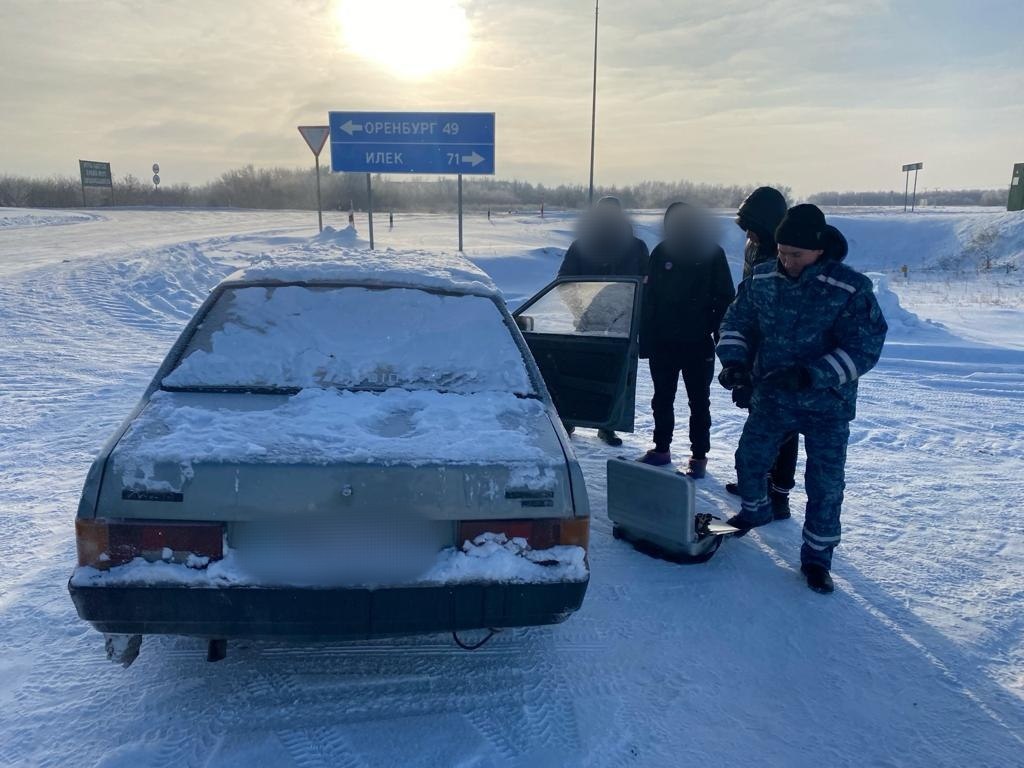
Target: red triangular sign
{"points": [[315, 136]]}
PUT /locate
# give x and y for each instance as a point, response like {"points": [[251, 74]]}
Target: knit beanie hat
{"points": [[803, 227]]}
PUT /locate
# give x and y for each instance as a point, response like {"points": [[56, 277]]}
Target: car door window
{"points": [[594, 308], [583, 334]]}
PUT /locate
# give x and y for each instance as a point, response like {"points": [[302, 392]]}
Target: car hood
{"points": [[191, 455]]}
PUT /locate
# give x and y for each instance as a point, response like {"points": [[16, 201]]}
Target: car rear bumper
{"points": [[326, 613]]}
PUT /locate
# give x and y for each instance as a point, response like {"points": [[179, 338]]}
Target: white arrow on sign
{"points": [[315, 136], [349, 127], [473, 159]]}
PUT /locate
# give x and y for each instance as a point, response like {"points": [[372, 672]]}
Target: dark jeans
{"points": [[696, 363]]}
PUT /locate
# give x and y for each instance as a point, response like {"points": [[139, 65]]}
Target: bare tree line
{"points": [[967, 197], [295, 188]]}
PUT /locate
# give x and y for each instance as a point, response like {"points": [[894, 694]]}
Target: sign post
{"points": [[369, 206], [915, 167], [316, 137], [460, 213], [95, 174], [413, 142]]}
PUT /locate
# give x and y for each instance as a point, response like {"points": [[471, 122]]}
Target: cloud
{"points": [[819, 95]]}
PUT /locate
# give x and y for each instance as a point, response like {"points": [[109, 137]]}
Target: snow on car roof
{"points": [[325, 259]]}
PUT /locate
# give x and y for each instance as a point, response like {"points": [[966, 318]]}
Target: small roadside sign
{"points": [[95, 174], [315, 136], [915, 167], [156, 167]]}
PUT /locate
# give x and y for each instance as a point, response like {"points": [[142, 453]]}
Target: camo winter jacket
{"points": [[827, 321]]}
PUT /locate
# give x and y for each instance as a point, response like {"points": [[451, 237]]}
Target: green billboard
{"points": [[1016, 201]]}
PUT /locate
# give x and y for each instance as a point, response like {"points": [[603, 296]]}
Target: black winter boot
{"points": [[818, 578], [733, 488], [609, 437], [780, 504]]}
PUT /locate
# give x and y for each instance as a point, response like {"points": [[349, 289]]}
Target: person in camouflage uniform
{"points": [[801, 332], [759, 215]]}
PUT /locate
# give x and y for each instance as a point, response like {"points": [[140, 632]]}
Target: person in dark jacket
{"points": [[689, 287], [758, 216], [605, 246], [801, 332]]}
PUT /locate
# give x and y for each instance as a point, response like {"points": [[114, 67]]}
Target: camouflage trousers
{"points": [[825, 442]]}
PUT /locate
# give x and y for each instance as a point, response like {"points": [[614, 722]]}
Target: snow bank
{"points": [[347, 235], [323, 259], [902, 322], [932, 240], [326, 426], [488, 558], [19, 218], [295, 336]]}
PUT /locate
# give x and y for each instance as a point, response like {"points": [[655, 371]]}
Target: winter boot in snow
{"points": [[818, 578], [780, 503], [656, 458], [733, 488], [753, 514], [697, 467], [609, 437], [569, 428]]}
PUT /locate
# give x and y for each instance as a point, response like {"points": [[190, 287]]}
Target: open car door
{"points": [[583, 332]]}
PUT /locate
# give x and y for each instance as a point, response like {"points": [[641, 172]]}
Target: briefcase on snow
{"points": [[654, 509]]}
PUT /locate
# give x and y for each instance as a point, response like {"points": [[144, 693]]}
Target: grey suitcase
{"points": [[654, 509]]}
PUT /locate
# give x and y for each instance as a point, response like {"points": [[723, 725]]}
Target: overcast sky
{"points": [[817, 95]]}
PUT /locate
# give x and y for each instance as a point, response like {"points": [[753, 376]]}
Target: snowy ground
{"points": [[918, 660]]}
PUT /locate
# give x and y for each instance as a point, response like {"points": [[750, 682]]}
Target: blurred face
{"points": [[687, 226], [796, 260]]}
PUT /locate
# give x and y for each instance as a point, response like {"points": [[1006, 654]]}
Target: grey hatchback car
{"points": [[355, 445]]}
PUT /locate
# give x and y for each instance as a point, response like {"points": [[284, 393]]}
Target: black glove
{"points": [[792, 379], [741, 397], [733, 376]]}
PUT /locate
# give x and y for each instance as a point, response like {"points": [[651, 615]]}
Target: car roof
{"points": [[321, 261]]}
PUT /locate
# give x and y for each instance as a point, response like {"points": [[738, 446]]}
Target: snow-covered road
{"points": [[917, 660]]}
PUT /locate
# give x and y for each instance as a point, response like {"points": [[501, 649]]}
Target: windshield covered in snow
{"points": [[295, 337]]}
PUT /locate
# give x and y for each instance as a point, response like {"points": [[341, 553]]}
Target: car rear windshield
{"points": [[295, 337]]}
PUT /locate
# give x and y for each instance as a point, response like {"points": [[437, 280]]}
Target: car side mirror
{"points": [[524, 322]]}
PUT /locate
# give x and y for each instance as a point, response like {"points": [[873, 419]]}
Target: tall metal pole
{"points": [[460, 212], [913, 200], [906, 191], [369, 206], [319, 205], [593, 108]]}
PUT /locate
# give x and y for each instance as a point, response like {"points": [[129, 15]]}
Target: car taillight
{"points": [[102, 543], [539, 534]]}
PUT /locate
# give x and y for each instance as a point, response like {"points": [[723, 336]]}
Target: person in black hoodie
{"points": [[688, 289], [605, 246], [759, 216]]}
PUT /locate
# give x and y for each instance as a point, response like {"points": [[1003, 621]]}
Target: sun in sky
{"points": [[412, 38]]}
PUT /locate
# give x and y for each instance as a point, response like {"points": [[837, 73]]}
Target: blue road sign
{"points": [[412, 142]]}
